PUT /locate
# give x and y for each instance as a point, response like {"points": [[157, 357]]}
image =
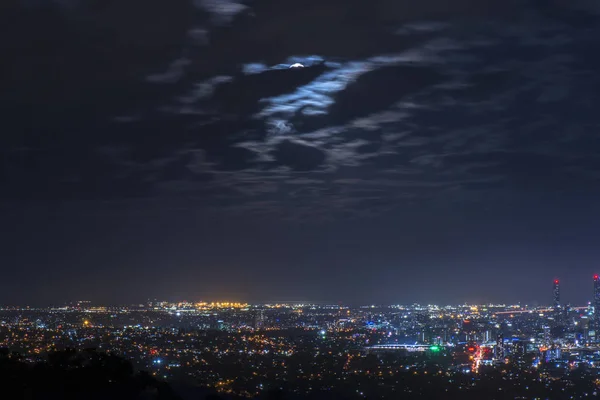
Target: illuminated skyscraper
{"points": [[556, 293], [500, 348], [596, 304], [547, 336], [259, 320]]}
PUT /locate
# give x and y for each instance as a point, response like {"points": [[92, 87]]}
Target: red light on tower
{"points": [[596, 277], [556, 281]]}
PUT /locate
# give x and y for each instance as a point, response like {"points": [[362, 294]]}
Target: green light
{"points": [[434, 348]]}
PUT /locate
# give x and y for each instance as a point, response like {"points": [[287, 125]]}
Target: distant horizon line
{"points": [[89, 303]]}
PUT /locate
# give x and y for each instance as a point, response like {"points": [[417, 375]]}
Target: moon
{"points": [[297, 65]]}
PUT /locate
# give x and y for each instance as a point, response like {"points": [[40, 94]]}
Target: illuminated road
{"points": [[477, 359]]}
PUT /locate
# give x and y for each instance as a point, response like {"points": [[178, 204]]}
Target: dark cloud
{"points": [[88, 63], [391, 84], [298, 156]]}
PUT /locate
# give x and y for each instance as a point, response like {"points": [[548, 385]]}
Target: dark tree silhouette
{"points": [[78, 375]]}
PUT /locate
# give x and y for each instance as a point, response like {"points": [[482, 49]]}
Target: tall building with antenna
{"points": [[556, 294], [596, 303]]}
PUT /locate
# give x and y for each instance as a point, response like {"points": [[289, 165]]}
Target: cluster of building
{"points": [[244, 349]]}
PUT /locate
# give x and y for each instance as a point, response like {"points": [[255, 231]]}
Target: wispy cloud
{"points": [[419, 108]]}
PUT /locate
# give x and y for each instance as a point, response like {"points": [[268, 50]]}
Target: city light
{"points": [[268, 339]]}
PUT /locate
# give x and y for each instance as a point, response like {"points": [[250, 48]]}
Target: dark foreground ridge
{"points": [[69, 374], [91, 375]]}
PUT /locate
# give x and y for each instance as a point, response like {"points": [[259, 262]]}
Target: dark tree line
{"points": [[77, 375]]}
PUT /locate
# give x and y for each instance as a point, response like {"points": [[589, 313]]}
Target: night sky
{"points": [[428, 151]]}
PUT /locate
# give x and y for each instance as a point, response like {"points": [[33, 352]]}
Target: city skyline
{"points": [[556, 302], [463, 352]]}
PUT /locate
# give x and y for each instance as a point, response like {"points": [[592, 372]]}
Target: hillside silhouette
{"points": [[77, 375]]}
